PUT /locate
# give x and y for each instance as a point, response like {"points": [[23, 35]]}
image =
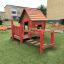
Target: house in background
{"points": [[55, 10], [12, 12], [2, 15]]}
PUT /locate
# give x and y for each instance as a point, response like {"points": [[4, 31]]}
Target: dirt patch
{"points": [[60, 27], [3, 28]]}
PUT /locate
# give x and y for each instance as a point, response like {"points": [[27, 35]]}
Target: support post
{"points": [[12, 28], [52, 38], [29, 27], [44, 24], [21, 33], [41, 41]]}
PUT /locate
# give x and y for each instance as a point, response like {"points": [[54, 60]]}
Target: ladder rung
{"points": [[30, 40], [33, 42], [47, 45], [37, 44]]}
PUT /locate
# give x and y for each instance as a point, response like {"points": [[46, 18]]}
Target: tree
{"points": [[43, 9]]}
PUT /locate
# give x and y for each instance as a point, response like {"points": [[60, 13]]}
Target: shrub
{"points": [[1, 22], [62, 21], [6, 20]]}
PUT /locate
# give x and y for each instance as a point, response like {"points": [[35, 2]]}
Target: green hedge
{"points": [[62, 21]]}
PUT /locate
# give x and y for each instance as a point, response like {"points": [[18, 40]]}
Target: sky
{"points": [[23, 3]]}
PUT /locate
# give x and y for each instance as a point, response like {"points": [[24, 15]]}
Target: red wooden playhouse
{"points": [[32, 23]]}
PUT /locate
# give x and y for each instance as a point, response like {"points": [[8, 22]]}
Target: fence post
{"points": [[41, 41], [12, 28]]}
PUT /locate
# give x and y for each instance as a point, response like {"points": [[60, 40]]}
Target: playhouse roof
{"points": [[34, 14]]}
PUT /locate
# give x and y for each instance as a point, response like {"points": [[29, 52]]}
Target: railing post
{"points": [[41, 41], [29, 27], [12, 28], [52, 38]]}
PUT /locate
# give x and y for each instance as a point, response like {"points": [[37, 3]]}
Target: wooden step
{"points": [[34, 42], [37, 44], [31, 40], [47, 46]]}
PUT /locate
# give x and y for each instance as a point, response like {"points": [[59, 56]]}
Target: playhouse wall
{"points": [[34, 23], [25, 16]]}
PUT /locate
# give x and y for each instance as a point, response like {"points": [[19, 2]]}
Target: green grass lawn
{"points": [[49, 26], [8, 23], [12, 53]]}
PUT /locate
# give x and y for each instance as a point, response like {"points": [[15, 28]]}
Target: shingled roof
{"points": [[34, 14]]}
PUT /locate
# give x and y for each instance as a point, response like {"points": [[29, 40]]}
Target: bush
{"points": [[1, 22], [62, 21], [6, 20]]}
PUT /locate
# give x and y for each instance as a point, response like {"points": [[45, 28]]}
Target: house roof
{"points": [[34, 14], [14, 6]]}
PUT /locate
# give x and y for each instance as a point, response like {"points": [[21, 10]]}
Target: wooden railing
{"points": [[16, 30]]}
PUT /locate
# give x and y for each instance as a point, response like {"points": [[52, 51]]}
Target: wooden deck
{"points": [[33, 42], [25, 36], [17, 37]]}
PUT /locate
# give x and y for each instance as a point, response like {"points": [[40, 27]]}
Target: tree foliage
{"points": [[0, 22], [43, 9]]}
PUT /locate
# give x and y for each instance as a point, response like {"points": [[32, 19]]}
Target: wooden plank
{"points": [[37, 44], [30, 40], [25, 36], [17, 37], [47, 46], [34, 42]]}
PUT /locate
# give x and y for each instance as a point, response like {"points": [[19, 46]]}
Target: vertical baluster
{"points": [[52, 38]]}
